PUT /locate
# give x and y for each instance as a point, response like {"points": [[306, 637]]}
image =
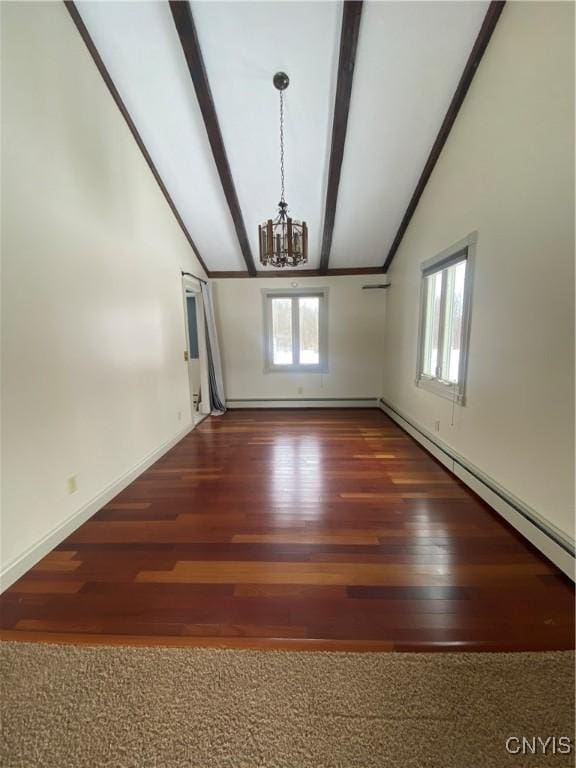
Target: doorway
{"points": [[196, 354]]}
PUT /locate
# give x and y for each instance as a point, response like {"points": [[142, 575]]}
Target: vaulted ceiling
{"points": [[373, 88]]}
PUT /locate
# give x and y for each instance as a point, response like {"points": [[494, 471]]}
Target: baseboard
{"points": [[553, 543], [300, 402], [18, 567]]}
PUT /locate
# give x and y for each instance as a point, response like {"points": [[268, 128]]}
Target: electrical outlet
{"points": [[179, 415], [300, 390], [72, 484], [437, 426]]}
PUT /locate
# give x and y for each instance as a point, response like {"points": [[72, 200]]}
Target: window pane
{"points": [[309, 307], [453, 321], [282, 331], [432, 323]]}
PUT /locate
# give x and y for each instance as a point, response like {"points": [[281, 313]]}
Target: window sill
{"points": [[437, 387], [296, 369]]}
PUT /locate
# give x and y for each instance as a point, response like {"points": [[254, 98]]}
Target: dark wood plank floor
{"points": [[321, 529]]}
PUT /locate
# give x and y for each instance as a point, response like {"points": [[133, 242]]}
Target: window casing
{"points": [[444, 330], [295, 323]]}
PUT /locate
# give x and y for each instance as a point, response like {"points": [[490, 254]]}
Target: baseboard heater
{"points": [[553, 543], [302, 402]]}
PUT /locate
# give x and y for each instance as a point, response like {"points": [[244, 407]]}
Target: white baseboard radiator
{"points": [[549, 540]]}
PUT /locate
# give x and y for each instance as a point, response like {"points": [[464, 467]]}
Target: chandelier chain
{"points": [[283, 241], [282, 146]]}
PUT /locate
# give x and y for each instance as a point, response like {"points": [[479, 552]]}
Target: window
{"points": [[295, 323], [445, 321]]}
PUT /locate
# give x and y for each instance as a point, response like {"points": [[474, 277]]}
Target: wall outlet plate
{"points": [[72, 484]]}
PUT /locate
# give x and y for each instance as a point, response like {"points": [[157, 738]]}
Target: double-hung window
{"points": [[445, 320], [296, 328]]}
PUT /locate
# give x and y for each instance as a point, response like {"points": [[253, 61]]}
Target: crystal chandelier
{"points": [[283, 240]]}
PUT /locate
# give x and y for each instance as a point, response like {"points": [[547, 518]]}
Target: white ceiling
{"points": [[244, 44], [140, 47], [409, 60], [410, 57]]}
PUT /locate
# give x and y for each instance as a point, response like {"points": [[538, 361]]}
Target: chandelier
{"points": [[283, 240]]}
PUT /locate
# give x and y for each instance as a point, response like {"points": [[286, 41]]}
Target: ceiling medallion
{"points": [[283, 241]]}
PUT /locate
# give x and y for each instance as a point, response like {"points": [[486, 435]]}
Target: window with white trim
{"points": [[445, 321], [296, 327]]}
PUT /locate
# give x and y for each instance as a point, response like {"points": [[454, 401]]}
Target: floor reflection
{"points": [[296, 477]]}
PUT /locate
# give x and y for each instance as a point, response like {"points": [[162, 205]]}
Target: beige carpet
{"points": [[69, 707]]}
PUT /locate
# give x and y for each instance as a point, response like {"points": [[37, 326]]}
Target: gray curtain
{"points": [[217, 398]]}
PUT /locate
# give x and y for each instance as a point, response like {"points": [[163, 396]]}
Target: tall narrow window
{"points": [[445, 320], [295, 324], [282, 331], [309, 315]]}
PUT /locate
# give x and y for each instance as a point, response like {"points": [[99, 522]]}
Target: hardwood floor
{"points": [[297, 529]]}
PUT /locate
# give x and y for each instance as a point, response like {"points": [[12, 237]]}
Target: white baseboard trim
{"points": [[13, 570], [300, 402], [553, 543]]}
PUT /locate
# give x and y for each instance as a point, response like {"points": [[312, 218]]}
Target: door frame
{"points": [[192, 286]]}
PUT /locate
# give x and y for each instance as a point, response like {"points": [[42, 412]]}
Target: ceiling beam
{"points": [[294, 273], [488, 25], [184, 21], [85, 35], [351, 15]]}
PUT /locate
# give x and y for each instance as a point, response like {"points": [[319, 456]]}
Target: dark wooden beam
{"points": [[351, 15], [294, 273], [85, 35], [184, 21], [488, 26]]}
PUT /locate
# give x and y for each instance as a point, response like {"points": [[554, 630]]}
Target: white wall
{"points": [[355, 319], [93, 327], [507, 171]]}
